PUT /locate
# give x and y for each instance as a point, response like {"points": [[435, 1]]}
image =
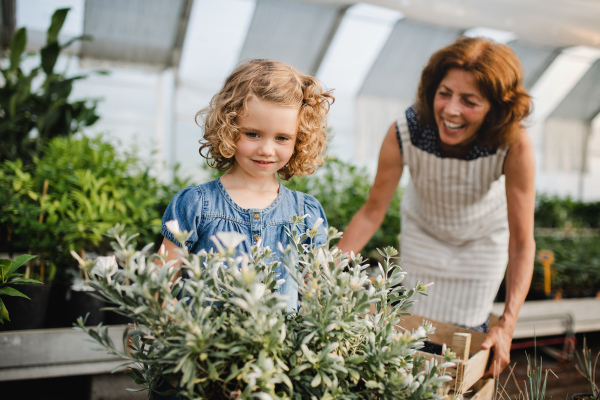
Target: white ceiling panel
{"points": [[395, 73], [295, 32], [583, 101], [134, 31]]}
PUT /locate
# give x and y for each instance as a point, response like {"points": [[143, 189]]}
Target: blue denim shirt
{"points": [[207, 209]]}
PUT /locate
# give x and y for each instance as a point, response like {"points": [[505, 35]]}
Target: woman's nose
{"points": [[452, 107]]}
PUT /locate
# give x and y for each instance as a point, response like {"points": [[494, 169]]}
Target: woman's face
{"points": [[459, 108]]}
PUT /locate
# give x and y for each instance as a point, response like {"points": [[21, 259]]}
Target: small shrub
{"points": [[222, 331]]}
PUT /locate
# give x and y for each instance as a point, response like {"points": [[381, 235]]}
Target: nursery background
{"points": [[97, 107]]}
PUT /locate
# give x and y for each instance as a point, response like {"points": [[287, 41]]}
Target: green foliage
{"points": [[555, 212], [342, 189], [576, 267], [534, 385], [222, 331], [70, 197], [9, 277], [35, 105], [586, 365]]}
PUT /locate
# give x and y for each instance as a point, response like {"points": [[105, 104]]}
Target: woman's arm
{"points": [[368, 219], [519, 170]]}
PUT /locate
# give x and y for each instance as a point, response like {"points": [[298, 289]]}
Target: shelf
{"points": [[555, 317], [50, 353]]}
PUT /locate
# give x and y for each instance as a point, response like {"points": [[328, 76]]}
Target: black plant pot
{"points": [[82, 303], [27, 314], [582, 396]]}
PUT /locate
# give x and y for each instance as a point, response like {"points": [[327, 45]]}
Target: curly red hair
{"points": [[282, 84], [497, 71]]}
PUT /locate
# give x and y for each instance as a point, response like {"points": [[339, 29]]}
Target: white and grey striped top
{"points": [[454, 226]]}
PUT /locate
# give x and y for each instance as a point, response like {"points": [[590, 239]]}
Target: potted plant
{"points": [[35, 103], [221, 330], [10, 283]]}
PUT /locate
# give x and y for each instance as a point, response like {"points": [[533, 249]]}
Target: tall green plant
{"points": [[31, 113]]}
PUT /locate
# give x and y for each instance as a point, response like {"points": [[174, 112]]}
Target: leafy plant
{"points": [[342, 189], [70, 197], [576, 267], [561, 213], [221, 330], [10, 277], [32, 113], [534, 385], [586, 365]]}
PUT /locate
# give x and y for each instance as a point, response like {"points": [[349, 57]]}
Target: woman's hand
{"points": [[498, 339]]}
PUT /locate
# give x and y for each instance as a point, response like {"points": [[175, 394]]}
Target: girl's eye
{"points": [[282, 138], [252, 135]]}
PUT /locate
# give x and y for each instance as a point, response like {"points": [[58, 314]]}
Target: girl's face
{"points": [[459, 108], [267, 138]]}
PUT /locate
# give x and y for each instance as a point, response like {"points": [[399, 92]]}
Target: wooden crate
{"points": [[467, 375]]}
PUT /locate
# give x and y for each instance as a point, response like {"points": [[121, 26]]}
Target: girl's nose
{"points": [[265, 148]]}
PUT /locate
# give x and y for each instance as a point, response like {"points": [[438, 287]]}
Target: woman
{"points": [[467, 213]]}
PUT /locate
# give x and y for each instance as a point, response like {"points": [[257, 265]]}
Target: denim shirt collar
{"points": [[249, 210]]}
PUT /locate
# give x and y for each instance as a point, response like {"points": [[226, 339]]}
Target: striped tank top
{"points": [[454, 226]]}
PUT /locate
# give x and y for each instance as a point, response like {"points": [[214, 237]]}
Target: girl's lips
{"points": [[263, 164]]}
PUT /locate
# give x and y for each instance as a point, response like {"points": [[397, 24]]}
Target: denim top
{"points": [[207, 209]]}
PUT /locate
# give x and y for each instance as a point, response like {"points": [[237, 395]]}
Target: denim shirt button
{"points": [[256, 238], [256, 215]]}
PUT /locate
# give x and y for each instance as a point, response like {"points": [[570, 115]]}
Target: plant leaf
{"points": [[49, 56], [18, 261], [3, 312], [58, 19], [17, 47], [8, 291]]}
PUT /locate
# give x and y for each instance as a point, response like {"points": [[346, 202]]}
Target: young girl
{"points": [[267, 119]]}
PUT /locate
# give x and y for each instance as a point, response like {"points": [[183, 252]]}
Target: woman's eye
{"points": [[443, 94], [470, 103]]}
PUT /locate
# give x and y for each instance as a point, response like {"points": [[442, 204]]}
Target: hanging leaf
{"points": [[17, 47], [58, 19]]}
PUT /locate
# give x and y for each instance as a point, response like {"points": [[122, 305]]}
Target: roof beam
{"points": [[8, 12]]}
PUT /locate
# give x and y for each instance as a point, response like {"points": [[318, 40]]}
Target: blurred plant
{"points": [[566, 213], [586, 365], [70, 197], [32, 114], [10, 277], [221, 330], [576, 267], [535, 384], [342, 189]]}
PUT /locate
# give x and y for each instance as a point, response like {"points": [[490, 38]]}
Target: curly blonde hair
{"points": [[279, 83], [498, 73]]}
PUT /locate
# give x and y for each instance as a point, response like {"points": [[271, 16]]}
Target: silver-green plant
{"points": [[586, 365], [216, 328]]}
